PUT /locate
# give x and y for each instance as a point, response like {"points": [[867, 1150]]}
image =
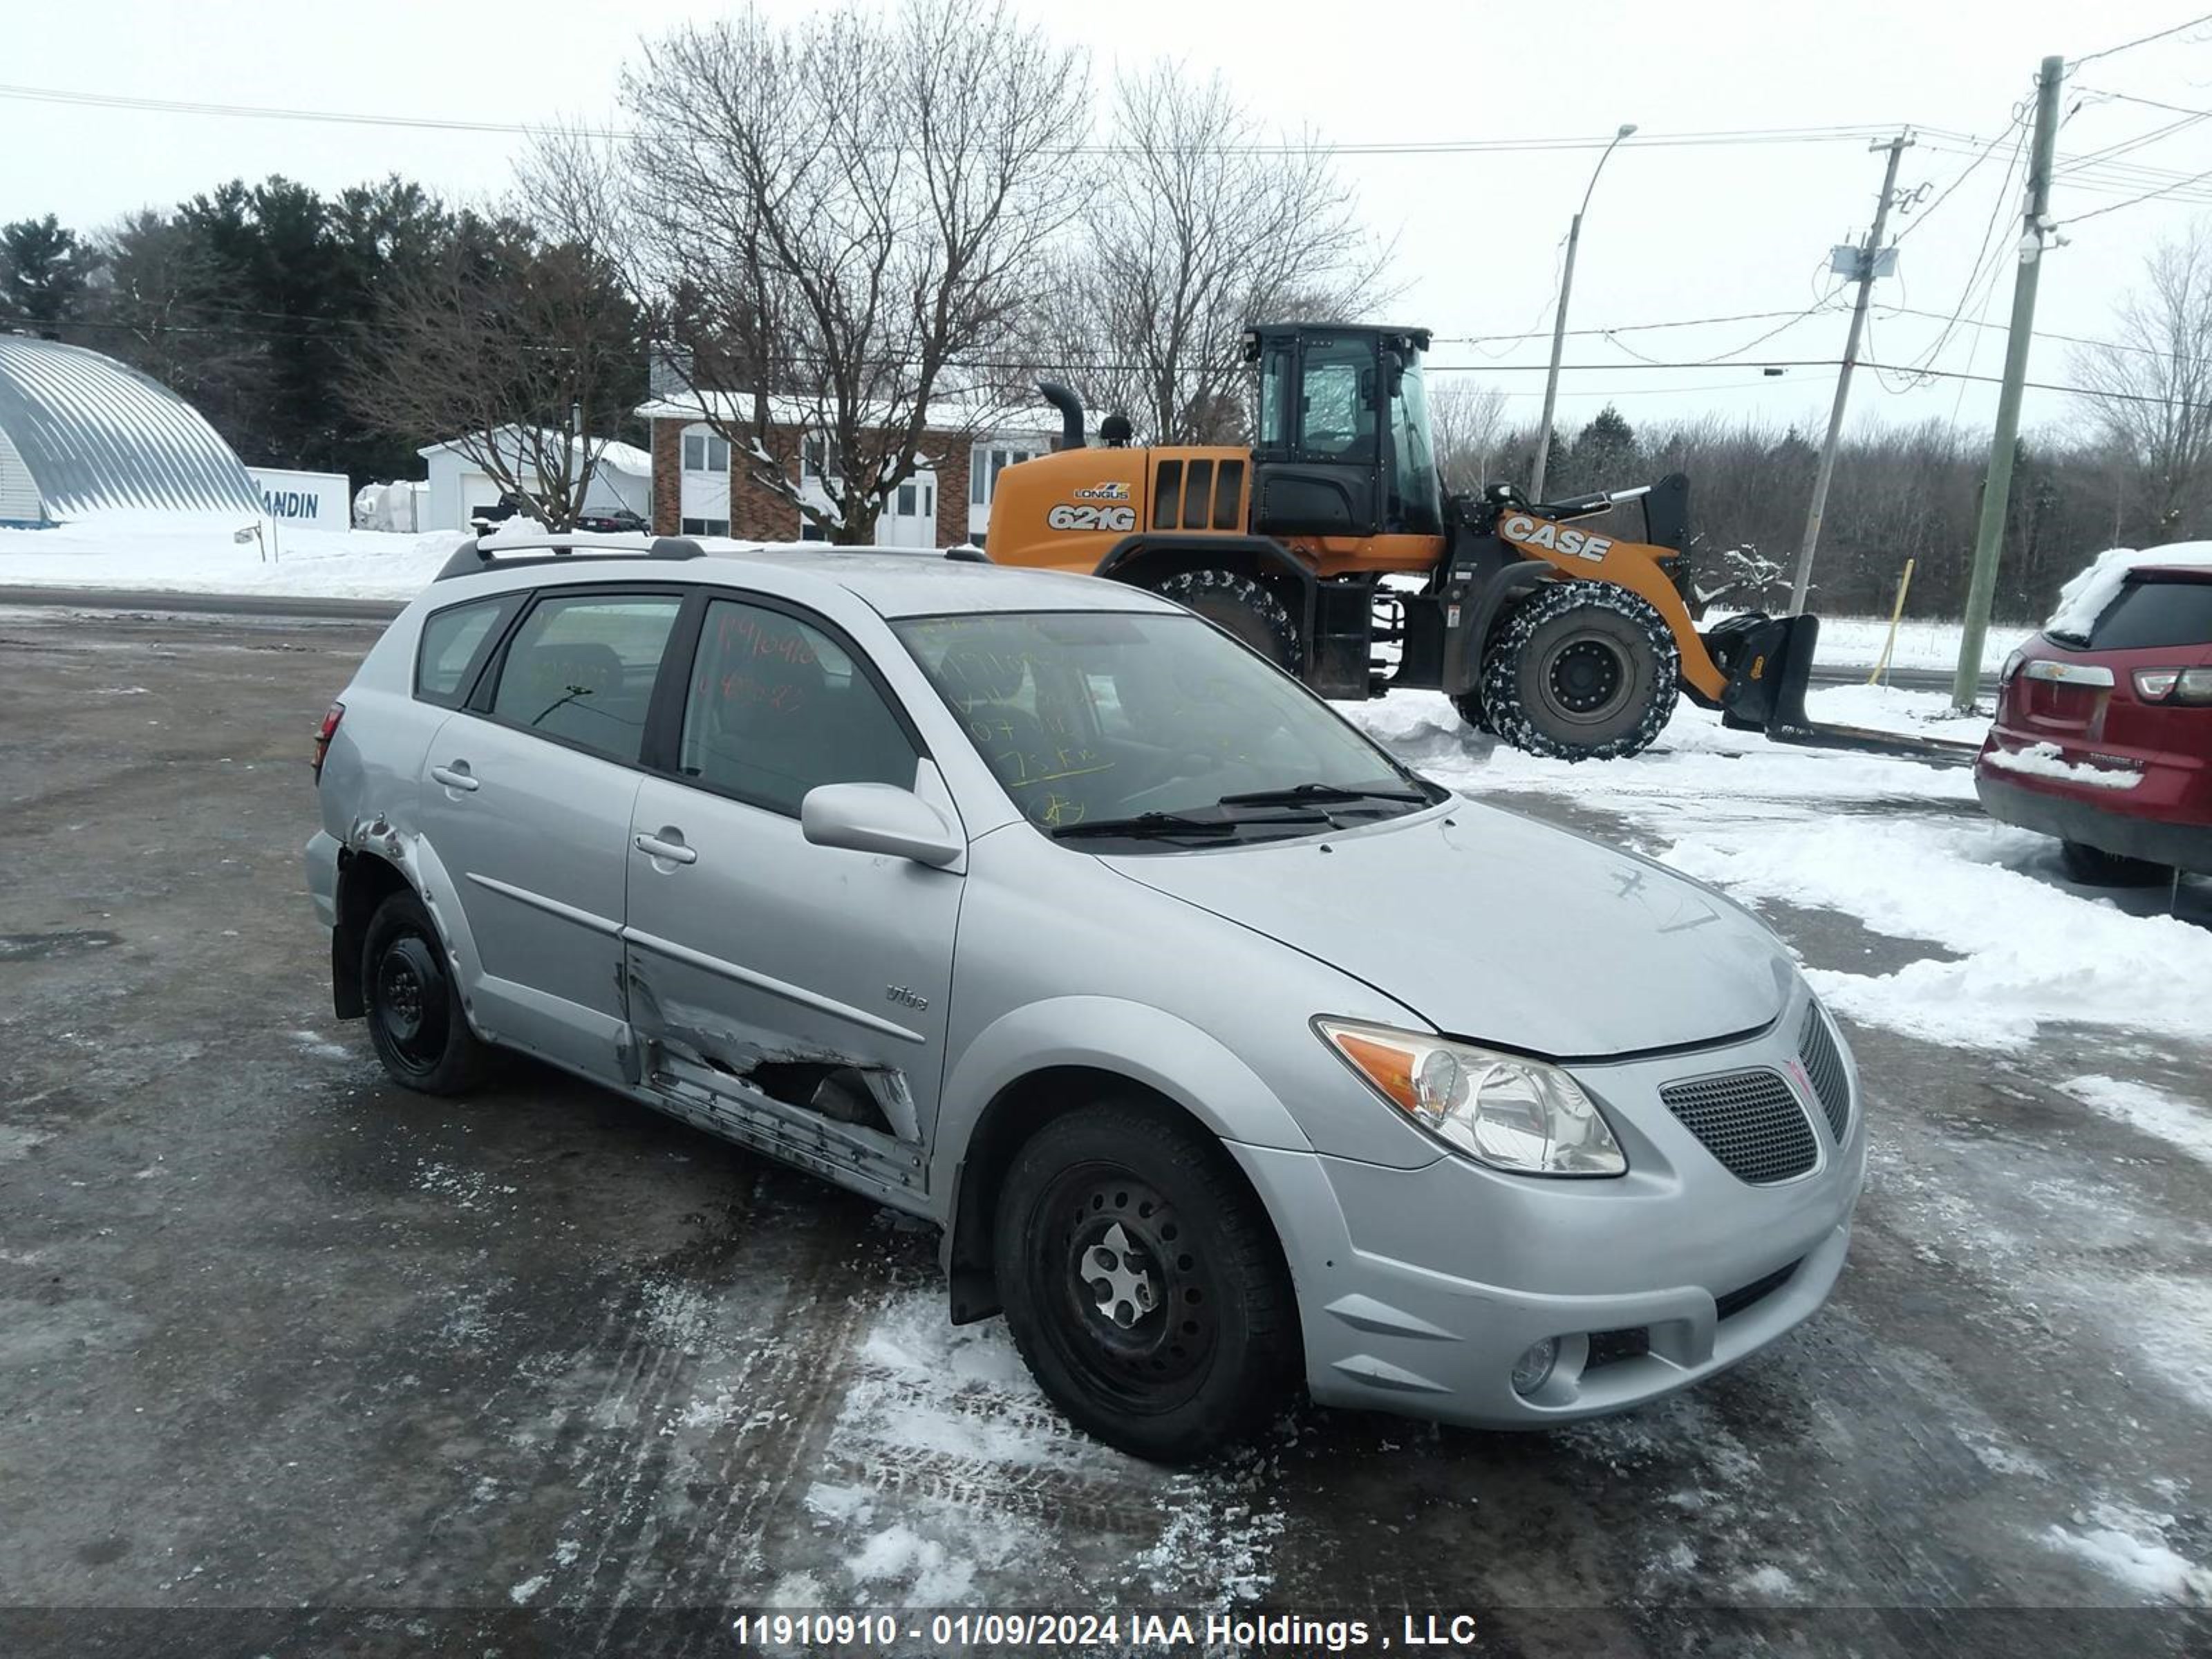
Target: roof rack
{"points": [[473, 558]]}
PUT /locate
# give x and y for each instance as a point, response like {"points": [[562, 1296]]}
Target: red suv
{"points": [[2104, 739]]}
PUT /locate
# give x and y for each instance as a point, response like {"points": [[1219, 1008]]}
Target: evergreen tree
{"points": [[45, 269]]}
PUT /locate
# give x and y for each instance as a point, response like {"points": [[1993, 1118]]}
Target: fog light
{"points": [[1533, 1369]]}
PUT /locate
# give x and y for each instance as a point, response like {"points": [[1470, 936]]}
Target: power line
{"points": [[1417, 147], [2149, 195], [2139, 40]]}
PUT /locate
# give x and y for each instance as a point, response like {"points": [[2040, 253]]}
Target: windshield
{"points": [[1099, 720]]}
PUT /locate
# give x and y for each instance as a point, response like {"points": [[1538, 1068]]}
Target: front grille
{"points": [[1727, 1307], [1749, 1120], [1824, 1064]]}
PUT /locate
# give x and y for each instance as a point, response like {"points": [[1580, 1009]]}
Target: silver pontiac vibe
{"points": [[1226, 1051]]}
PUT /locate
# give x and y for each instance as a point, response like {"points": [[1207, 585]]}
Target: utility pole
{"points": [[1997, 493], [1559, 320], [1802, 580]]}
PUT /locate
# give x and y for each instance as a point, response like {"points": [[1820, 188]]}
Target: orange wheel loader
{"points": [[1540, 621]]}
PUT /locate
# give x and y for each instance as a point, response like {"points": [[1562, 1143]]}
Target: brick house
{"points": [[700, 488]]}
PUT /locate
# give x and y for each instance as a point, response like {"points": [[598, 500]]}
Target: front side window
{"points": [[776, 708], [580, 669], [1099, 718], [1274, 398], [1415, 506], [455, 641]]}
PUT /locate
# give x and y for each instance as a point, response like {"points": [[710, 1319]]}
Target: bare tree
{"points": [[2152, 385], [841, 224], [1472, 427], [524, 351], [1200, 225]]}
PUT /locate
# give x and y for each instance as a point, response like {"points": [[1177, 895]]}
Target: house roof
{"points": [[948, 415], [614, 457]]}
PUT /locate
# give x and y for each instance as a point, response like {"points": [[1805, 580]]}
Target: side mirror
{"points": [[880, 817]]}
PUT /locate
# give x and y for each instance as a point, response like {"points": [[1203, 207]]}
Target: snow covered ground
{"points": [[1921, 643], [175, 553], [1901, 845]]}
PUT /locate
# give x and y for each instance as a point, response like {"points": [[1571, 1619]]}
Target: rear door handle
{"points": [[674, 851], [455, 776]]}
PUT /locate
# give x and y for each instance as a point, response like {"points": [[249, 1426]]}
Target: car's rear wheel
{"points": [[1143, 1285], [2093, 866], [416, 1022]]}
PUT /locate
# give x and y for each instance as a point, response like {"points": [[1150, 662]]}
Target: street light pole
{"points": [[1559, 320]]}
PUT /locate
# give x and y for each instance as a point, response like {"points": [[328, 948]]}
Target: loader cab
{"points": [[1344, 445]]}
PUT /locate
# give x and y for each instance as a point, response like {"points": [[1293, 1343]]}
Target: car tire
{"points": [[1143, 1285], [1581, 670], [415, 1021], [1245, 605], [2093, 866]]}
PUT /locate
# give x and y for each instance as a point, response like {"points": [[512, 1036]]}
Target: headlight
{"points": [[1505, 1110]]}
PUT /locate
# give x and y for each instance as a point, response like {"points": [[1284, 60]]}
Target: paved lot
{"points": [[544, 1369]]}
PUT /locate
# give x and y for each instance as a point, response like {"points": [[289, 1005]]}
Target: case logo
{"points": [[1562, 538]]}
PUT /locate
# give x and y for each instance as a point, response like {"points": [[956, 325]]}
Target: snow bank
{"points": [[2083, 599], [2029, 952], [183, 554]]}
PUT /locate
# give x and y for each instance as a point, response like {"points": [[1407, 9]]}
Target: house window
{"points": [[706, 527], [704, 452], [819, 459], [811, 532], [985, 463], [908, 500]]}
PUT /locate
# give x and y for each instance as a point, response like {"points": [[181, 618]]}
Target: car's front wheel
{"points": [[1143, 1285], [415, 1017]]}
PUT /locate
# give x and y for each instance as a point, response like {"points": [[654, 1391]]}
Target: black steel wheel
{"points": [[1144, 1287], [1246, 606], [415, 1021], [1581, 671]]}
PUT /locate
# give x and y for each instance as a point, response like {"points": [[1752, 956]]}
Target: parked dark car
{"points": [[2103, 738]]}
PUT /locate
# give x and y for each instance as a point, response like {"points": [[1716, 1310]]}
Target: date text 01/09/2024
{"points": [[1162, 1631]]}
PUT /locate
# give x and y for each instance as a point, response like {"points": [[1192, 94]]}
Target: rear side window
{"points": [[582, 669], [2149, 616], [777, 706], [455, 642]]}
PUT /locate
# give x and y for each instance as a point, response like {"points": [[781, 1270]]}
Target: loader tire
{"points": [[1469, 704], [1581, 671], [1246, 606]]}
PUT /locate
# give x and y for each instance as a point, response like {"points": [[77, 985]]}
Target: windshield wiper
{"points": [[1147, 824], [1300, 794]]}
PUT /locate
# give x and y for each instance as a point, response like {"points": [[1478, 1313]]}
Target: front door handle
{"points": [[455, 776], [674, 851]]}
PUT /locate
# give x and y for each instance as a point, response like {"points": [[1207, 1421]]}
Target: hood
{"points": [[1499, 929]]}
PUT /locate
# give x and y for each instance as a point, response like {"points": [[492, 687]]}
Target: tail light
{"points": [[324, 733], [2174, 684]]}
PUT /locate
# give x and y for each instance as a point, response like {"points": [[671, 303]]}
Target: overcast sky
{"points": [[1673, 233]]}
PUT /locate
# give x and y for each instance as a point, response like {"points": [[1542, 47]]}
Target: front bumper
{"points": [[1419, 1289]]}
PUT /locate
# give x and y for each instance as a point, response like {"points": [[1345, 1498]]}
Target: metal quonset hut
{"points": [[82, 434]]}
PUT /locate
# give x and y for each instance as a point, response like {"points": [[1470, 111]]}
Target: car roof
{"points": [[894, 582]]}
